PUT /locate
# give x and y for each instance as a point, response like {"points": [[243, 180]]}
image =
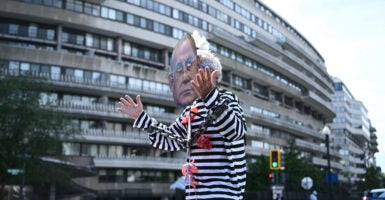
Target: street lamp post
{"points": [[22, 193], [327, 132]]}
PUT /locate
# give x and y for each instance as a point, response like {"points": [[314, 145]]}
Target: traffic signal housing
{"points": [[275, 159]]}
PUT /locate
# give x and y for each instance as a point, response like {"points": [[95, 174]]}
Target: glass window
{"points": [[78, 6], [55, 72], [127, 48], [96, 10], [135, 83], [85, 149], [14, 67], [110, 44], [112, 150], [88, 8], [142, 22], [24, 68], [130, 19], [95, 42], [57, 3], [112, 14], [50, 34], [80, 40], [175, 13], [89, 40], [69, 72], [93, 149], [13, 29], [32, 30], [45, 69], [103, 149], [78, 73], [103, 43], [104, 12], [35, 68], [70, 5], [119, 16]]}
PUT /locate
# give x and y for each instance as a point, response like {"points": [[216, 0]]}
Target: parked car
{"points": [[375, 194]]}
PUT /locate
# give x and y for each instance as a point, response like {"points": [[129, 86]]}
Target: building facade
{"points": [[95, 51], [353, 134]]}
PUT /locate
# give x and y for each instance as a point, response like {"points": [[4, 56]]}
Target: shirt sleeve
{"points": [[162, 136], [230, 122]]}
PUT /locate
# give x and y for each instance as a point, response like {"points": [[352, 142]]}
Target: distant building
{"points": [[95, 51], [353, 134]]}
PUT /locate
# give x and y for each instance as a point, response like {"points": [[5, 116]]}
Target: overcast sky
{"points": [[350, 36]]}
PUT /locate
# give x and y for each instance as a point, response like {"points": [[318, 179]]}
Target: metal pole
{"points": [[22, 194], [329, 171]]}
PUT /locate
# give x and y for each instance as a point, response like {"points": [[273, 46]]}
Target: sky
{"points": [[350, 36]]}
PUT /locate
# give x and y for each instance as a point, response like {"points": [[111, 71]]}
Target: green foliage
{"points": [[297, 168], [373, 179], [28, 128], [258, 175]]}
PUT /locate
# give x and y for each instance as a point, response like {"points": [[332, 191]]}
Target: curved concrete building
{"points": [[95, 51]]}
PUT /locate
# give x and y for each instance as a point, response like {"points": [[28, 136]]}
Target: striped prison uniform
{"points": [[222, 169]]}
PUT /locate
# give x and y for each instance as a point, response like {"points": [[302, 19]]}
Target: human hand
{"points": [[129, 107], [205, 82]]}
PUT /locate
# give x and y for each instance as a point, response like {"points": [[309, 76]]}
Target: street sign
{"points": [[15, 171], [307, 183]]}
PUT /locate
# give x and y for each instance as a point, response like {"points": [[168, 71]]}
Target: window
{"points": [[32, 30], [55, 73], [13, 29], [127, 48]]}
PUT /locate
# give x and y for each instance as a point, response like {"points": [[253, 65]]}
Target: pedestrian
{"points": [[313, 195], [211, 127]]}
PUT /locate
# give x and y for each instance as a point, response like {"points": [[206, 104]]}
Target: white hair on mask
{"points": [[207, 57], [200, 41]]}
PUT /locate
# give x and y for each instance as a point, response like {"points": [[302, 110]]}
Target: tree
{"points": [[297, 167], [372, 179], [257, 178], [29, 131]]}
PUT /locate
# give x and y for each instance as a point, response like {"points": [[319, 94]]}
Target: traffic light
{"points": [[275, 159]]}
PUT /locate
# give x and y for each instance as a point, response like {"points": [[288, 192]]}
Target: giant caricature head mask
{"points": [[183, 69]]}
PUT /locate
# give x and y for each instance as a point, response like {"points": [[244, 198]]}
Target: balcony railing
{"points": [[94, 84], [134, 136], [106, 110], [141, 162]]}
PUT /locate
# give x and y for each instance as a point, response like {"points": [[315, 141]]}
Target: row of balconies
{"points": [[135, 136], [148, 162], [109, 111]]}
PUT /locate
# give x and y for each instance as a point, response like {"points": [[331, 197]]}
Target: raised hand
{"points": [[129, 107], [205, 82]]}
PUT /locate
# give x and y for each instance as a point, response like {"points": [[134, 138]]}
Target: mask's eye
{"points": [[189, 62], [179, 67]]}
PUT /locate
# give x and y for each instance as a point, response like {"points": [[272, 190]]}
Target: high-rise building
{"points": [[353, 134], [95, 51]]}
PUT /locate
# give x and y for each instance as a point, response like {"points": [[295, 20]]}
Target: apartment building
{"points": [[95, 51]]}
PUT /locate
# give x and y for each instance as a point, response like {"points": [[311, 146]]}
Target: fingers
{"points": [[125, 103], [138, 101], [214, 76], [128, 98]]}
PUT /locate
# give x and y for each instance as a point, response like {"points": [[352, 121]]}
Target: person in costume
{"points": [[211, 127]]}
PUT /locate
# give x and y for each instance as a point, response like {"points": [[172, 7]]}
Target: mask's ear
{"points": [[171, 82], [199, 62]]}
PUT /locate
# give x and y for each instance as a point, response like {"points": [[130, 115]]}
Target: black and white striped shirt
{"points": [[222, 169]]}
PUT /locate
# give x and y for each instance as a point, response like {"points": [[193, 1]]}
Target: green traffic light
{"points": [[274, 164]]}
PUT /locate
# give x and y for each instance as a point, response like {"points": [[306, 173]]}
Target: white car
{"points": [[375, 194]]}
